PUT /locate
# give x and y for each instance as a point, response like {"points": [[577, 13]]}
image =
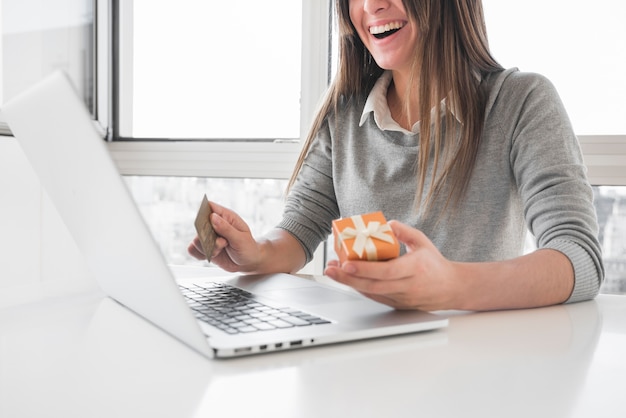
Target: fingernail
{"points": [[349, 268]]}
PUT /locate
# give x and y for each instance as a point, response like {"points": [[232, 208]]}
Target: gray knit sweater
{"points": [[529, 175]]}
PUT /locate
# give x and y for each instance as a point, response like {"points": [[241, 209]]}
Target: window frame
{"points": [[604, 156], [605, 159], [250, 158]]}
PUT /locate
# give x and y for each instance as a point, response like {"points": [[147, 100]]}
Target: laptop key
{"points": [[263, 326], [281, 324], [247, 329], [295, 321], [319, 321]]}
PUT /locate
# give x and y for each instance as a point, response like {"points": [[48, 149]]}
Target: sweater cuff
{"points": [[586, 277], [305, 236]]}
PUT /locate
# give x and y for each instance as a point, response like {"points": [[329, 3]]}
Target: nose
{"points": [[375, 6]]}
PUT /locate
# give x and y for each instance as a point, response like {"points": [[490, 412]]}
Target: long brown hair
{"points": [[451, 58]]}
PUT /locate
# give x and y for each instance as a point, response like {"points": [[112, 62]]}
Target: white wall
{"points": [[35, 246]]}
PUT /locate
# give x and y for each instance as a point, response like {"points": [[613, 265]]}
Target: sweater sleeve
{"points": [[551, 177], [311, 204]]}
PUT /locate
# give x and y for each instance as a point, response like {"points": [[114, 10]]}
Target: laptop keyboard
{"points": [[235, 310]]}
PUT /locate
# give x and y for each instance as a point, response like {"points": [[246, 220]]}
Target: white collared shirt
{"points": [[377, 103]]}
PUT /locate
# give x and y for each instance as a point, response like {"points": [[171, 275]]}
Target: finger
{"points": [[236, 235], [413, 238], [229, 216], [387, 270], [195, 249], [386, 300], [393, 293], [368, 277], [221, 258], [217, 208], [334, 263], [220, 244]]}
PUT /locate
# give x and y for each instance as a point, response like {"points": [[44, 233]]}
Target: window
{"points": [[582, 49], [611, 209], [244, 131], [203, 69], [39, 37], [170, 204]]}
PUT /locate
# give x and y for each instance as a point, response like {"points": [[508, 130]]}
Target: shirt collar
{"points": [[376, 103]]}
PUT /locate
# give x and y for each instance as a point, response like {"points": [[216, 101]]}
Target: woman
{"points": [[424, 125]]}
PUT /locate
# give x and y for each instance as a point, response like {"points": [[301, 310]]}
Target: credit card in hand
{"points": [[204, 228]]}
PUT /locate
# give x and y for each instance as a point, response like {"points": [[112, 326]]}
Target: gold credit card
{"points": [[204, 228]]}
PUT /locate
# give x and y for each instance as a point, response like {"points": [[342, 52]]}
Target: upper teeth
{"points": [[375, 30]]}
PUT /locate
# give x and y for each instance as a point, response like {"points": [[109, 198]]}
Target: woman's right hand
{"points": [[235, 249]]}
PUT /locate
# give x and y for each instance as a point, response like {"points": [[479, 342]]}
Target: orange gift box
{"points": [[365, 237]]}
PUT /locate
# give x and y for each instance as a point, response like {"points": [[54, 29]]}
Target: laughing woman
{"points": [[423, 124]]}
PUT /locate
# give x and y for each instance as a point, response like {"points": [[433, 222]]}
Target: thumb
{"points": [[411, 237]]}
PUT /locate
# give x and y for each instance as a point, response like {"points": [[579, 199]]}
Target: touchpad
{"points": [[309, 295]]}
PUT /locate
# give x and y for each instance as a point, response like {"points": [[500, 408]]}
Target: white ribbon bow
{"points": [[364, 236]]}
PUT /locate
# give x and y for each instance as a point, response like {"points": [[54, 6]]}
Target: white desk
{"points": [[82, 355]]}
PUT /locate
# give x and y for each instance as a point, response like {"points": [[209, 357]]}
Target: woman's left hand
{"points": [[420, 279]]}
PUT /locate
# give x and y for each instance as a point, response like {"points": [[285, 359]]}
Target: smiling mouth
{"points": [[383, 31]]}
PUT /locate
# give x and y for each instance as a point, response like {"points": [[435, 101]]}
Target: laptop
{"points": [[60, 139]]}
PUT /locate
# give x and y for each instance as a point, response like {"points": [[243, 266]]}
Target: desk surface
{"points": [[82, 355]]}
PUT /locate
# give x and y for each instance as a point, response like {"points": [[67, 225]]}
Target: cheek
{"points": [[362, 36], [360, 31], [356, 17], [356, 14]]}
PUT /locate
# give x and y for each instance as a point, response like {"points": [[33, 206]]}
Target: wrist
{"points": [[460, 286], [277, 252], [479, 286]]}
